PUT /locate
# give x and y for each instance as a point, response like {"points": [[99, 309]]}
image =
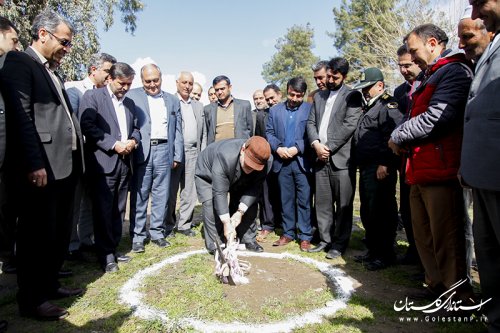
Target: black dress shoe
{"points": [[111, 267], [63, 292], [364, 257], [137, 247], [320, 247], [123, 258], [64, 273], [188, 232], [254, 247], [332, 254], [161, 242], [45, 311]]}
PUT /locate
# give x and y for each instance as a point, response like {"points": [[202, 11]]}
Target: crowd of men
{"points": [[73, 151]]}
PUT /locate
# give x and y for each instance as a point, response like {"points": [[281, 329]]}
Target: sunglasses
{"points": [[62, 41]]}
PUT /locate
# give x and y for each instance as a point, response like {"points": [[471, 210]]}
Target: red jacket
{"points": [[436, 158]]}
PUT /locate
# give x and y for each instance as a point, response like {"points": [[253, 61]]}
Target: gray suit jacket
{"points": [[481, 142], [175, 141], [75, 90], [43, 128], [101, 129], [243, 120], [199, 115], [218, 173], [343, 122]]}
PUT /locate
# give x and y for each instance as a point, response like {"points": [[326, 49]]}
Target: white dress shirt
{"points": [[158, 113]]}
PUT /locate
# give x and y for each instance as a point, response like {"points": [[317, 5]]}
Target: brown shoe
{"points": [[46, 311], [305, 245], [261, 237], [64, 292], [282, 241]]}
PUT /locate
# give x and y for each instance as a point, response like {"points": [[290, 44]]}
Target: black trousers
{"points": [[109, 199], [44, 229], [270, 203], [379, 210]]}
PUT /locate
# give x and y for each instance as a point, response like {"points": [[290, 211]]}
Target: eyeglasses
{"points": [[62, 41]]}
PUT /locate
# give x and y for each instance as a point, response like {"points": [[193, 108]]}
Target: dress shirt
{"points": [[120, 115], [325, 121], [158, 113]]}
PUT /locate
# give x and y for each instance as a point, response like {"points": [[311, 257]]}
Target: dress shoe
{"points": [[320, 247], [305, 245], [254, 247], [63, 292], [9, 268], [45, 311], [282, 241], [64, 273], [111, 267], [161, 242], [364, 257], [376, 264], [122, 258], [188, 232], [137, 247], [263, 235], [332, 254]]}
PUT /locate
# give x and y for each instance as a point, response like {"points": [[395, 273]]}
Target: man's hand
{"points": [[130, 145], [382, 172], [236, 218], [175, 165], [38, 177], [322, 151], [396, 149], [121, 148], [292, 151], [283, 153], [229, 231]]}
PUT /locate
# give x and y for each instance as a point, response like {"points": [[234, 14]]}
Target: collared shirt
{"points": [[189, 128], [291, 120], [159, 116], [59, 87], [325, 121], [120, 114]]}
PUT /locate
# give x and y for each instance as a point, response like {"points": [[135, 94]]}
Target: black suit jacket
{"points": [[261, 122], [43, 137], [101, 129]]}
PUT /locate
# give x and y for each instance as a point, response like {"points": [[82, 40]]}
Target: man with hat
{"points": [[378, 170], [234, 167]]}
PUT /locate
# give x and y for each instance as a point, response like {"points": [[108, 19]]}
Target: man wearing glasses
{"points": [[49, 154]]}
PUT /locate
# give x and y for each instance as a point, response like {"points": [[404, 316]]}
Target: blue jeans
{"points": [[295, 201], [152, 176]]}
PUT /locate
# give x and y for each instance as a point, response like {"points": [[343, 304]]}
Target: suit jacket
{"points": [[43, 136], [199, 115], [261, 122], [75, 90], [343, 122], [100, 127], [276, 131], [480, 147], [175, 141], [3, 130], [243, 122], [218, 172]]}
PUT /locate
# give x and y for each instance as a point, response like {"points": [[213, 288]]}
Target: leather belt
{"points": [[155, 142]]}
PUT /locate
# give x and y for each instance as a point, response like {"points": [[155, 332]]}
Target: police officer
{"points": [[378, 170]]}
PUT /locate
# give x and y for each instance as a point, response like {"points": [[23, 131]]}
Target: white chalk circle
{"points": [[130, 295]]}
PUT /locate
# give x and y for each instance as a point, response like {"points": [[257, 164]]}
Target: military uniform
{"points": [[379, 212]]}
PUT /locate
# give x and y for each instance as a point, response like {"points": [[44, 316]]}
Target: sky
{"points": [[210, 38]]}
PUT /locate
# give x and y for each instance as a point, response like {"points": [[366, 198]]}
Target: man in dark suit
{"points": [[229, 117], [234, 168], [269, 202], [8, 42], [49, 156], [331, 125], [110, 128], [286, 133], [161, 149], [479, 162]]}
